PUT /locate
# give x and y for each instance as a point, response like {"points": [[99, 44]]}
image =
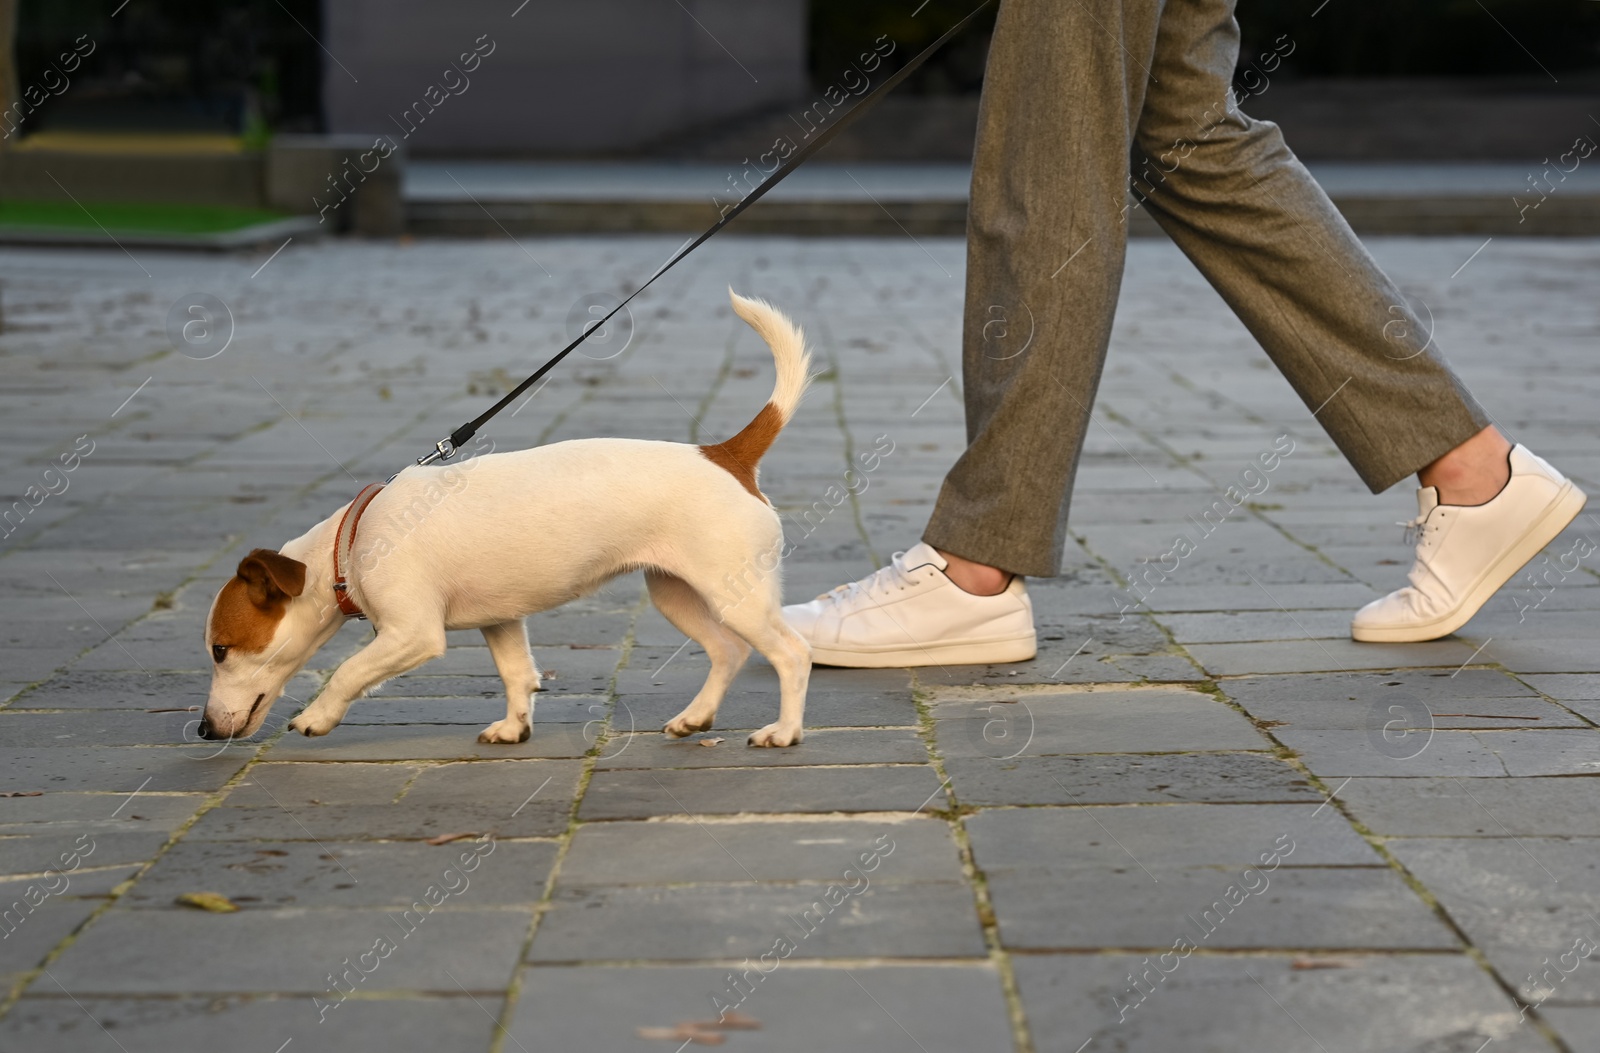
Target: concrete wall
{"points": [[565, 77]]}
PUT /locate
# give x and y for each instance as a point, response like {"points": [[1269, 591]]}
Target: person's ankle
{"points": [[978, 579], [1474, 472]]}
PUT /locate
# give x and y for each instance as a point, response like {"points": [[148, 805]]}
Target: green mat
{"points": [[129, 217]]}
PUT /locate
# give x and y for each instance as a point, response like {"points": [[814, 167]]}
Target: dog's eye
{"points": [[218, 653]]}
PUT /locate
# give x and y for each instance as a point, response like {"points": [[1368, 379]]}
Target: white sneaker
{"points": [[1466, 552], [909, 613]]}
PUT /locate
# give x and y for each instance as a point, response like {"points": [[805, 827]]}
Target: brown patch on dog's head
{"points": [[741, 455], [254, 601]]}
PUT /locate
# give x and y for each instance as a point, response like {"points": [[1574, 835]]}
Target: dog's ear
{"points": [[272, 576]]}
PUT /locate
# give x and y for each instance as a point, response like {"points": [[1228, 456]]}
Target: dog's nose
{"points": [[205, 730]]}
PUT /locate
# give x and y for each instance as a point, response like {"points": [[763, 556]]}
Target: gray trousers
{"points": [[1081, 97]]}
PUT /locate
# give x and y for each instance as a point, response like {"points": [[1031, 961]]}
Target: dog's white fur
{"points": [[510, 534]]}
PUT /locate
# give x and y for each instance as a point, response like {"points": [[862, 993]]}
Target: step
{"points": [[489, 198]]}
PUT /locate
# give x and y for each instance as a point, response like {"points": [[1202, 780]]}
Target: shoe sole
{"points": [[1560, 512], [985, 652]]}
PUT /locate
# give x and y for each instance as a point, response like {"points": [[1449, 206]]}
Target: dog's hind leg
{"points": [[687, 610], [757, 616], [508, 645]]}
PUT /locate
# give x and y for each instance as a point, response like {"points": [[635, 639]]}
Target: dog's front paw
{"points": [[507, 731], [682, 725], [777, 735], [311, 723]]}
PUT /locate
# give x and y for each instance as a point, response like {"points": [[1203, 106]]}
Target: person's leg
{"points": [[1473, 472], [1045, 244], [1252, 219], [1046, 236], [1239, 204]]}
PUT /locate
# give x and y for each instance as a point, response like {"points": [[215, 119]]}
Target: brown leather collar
{"points": [[342, 543]]}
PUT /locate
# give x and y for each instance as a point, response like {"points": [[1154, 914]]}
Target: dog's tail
{"points": [[741, 455]]}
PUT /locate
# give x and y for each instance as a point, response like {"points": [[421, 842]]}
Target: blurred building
{"points": [[557, 78]]}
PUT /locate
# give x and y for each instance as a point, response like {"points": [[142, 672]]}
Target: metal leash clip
{"points": [[443, 450]]}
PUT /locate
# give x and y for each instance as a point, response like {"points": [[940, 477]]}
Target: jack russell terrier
{"points": [[511, 534]]}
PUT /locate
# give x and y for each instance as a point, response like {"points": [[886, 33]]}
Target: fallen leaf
{"points": [[1321, 963], [444, 839], [214, 902], [23, 793], [732, 1020], [711, 742], [683, 1033]]}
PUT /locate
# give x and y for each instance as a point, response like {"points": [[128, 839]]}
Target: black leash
{"points": [[445, 448]]}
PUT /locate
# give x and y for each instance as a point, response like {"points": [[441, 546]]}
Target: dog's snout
{"points": [[226, 725]]}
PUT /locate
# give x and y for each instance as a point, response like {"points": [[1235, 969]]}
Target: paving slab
{"points": [[261, 875], [750, 706], [944, 1008], [1413, 1002], [294, 951], [295, 785], [91, 812], [49, 1021], [726, 747], [1219, 778], [385, 822], [1160, 836], [120, 769], [99, 727], [1484, 754], [510, 788], [1578, 1028], [1306, 908], [38, 912], [1530, 806], [1251, 691], [1394, 711], [1155, 721], [475, 713], [1319, 655], [1530, 904], [1566, 687], [388, 742], [126, 687], [915, 919], [879, 848], [37, 853], [856, 788], [1252, 626]]}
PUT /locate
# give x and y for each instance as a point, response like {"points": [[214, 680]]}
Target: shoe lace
{"points": [[1416, 529], [891, 575]]}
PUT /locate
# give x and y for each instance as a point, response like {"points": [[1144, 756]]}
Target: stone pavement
{"points": [[1207, 821]]}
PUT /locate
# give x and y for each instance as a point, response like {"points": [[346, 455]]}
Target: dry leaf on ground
{"points": [[732, 1020], [444, 839], [683, 1033], [215, 902]]}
